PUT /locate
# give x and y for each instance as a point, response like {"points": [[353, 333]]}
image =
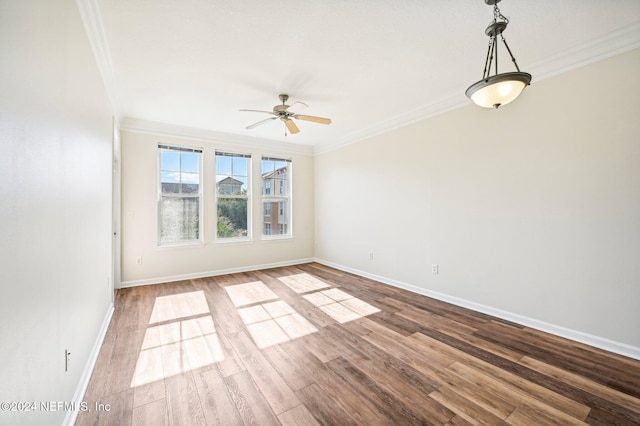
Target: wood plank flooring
{"points": [[310, 345]]}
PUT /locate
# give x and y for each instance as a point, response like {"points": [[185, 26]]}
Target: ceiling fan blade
{"points": [[291, 126], [297, 106], [256, 110], [259, 123], [320, 120]]}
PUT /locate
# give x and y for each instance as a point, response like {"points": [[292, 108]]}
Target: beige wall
{"points": [[140, 218], [533, 210], [55, 169]]}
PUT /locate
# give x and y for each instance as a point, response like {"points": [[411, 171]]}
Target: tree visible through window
{"points": [[276, 183], [232, 191], [179, 194]]}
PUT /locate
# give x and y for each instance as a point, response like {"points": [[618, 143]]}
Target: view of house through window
{"points": [[276, 183], [232, 194], [179, 194]]}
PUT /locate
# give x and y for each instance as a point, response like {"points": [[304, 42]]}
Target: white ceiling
{"points": [[188, 66]]}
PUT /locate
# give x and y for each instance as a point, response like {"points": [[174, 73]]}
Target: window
{"points": [[276, 186], [179, 195], [232, 195]]}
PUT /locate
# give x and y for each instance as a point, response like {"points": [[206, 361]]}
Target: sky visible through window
{"points": [[179, 167]]}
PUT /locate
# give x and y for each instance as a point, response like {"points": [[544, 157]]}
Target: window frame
{"points": [[180, 195], [247, 196], [277, 198]]}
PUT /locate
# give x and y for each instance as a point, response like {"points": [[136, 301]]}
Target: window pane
{"points": [[179, 172], [240, 166], [275, 214], [232, 179], [283, 217], [223, 165], [232, 217], [232, 175], [189, 183], [169, 160], [170, 182], [190, 162], [275, 196], [268, 166], [179, 219], [178, 216]]}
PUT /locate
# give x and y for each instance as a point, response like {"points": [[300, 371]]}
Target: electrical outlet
{"points": [[139, 261], [434, 269], [370, 255], [67, 359]]}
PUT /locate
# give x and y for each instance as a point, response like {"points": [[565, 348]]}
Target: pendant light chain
{"points": [[494, 38], [498, 15]]}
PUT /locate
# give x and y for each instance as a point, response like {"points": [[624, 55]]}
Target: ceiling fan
{"points": [[285, 114]]}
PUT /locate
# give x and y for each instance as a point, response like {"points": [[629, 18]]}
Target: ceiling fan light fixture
{"points": [[493, 91]]}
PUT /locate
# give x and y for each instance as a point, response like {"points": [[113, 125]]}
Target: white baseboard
{"points": [[78, 396], [160, 280], [577, 336]]}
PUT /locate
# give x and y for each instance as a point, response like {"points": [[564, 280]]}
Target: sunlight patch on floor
{"points": [[177, 342], [268, 323], [246, 294], [275, 322], [340, 306], [179, 305], [302, 283]]}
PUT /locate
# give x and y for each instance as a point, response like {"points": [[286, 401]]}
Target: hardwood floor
{"points": [[310, 345]]}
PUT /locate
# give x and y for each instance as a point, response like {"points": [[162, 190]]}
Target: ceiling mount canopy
{"points": [[498, 89]]}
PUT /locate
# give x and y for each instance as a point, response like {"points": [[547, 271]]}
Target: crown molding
{"points": [[92, 20], [155, 128], [622, 40]]}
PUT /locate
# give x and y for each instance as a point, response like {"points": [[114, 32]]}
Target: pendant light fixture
{"points": [[498, 89]]}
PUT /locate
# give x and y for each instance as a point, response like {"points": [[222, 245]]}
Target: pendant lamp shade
{"points": [[499, 89], [493, 91]]}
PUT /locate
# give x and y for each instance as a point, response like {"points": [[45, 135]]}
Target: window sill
{"points": [[181, 245], [276, 237], [238, 241]]}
